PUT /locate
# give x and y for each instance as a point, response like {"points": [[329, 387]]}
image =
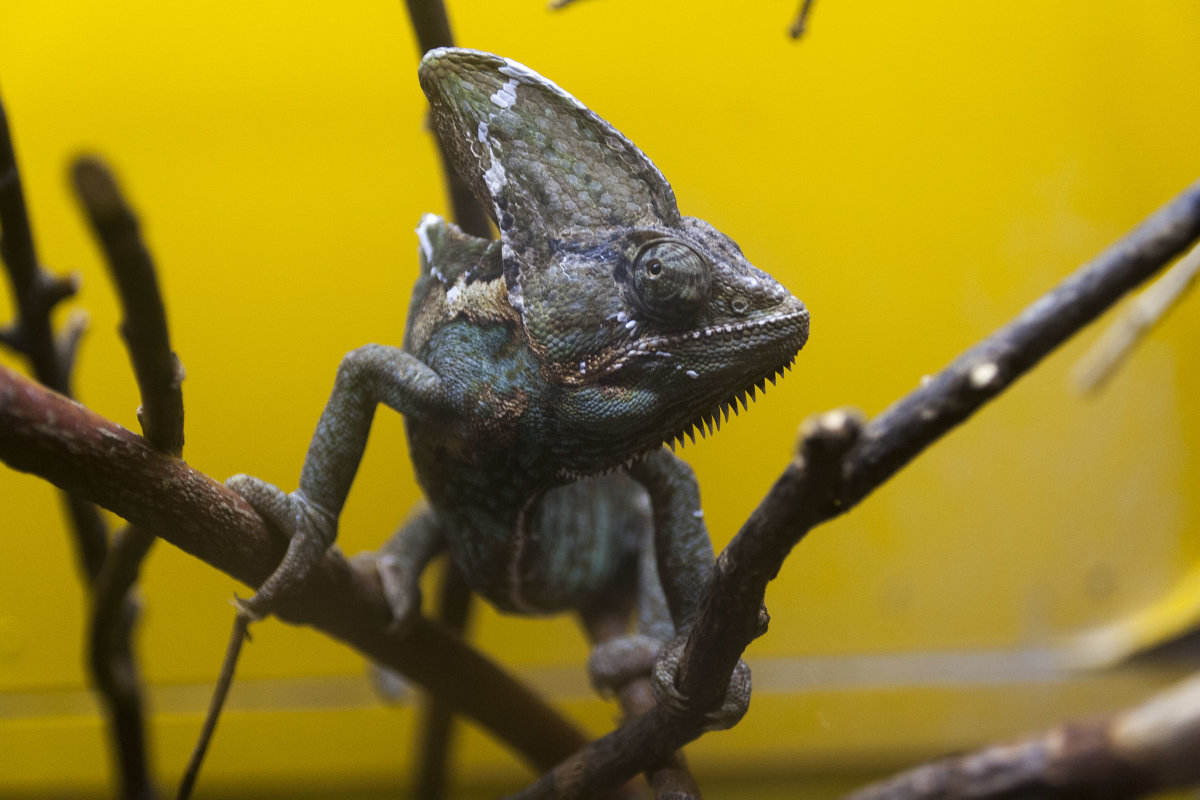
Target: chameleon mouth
{"points": [[764, 327], [781, 335], [710, 421]]}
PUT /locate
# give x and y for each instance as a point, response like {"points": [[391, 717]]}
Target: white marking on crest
{"points": [[523, 74], [427, 221], [481, 133], [452, 294], [691, 373], [495, 177], [506, 95]]}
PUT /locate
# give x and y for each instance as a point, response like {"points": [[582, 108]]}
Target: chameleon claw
{"points": [[402, 591], [733, 706]]}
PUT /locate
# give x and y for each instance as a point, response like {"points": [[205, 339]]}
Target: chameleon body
{"points": [[541, 373]]}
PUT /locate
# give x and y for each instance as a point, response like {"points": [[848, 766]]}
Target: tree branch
{"points": [[1150, 748], [115, 606], [36, 293], [800, 22], [1141, 315], [837, 467], [114, 670], [79, 451]]}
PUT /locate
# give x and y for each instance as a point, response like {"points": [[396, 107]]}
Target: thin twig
{"points": [[837, 468], [79, 451], [1150, 748], [36, 293], [1143, 313], [239, 634], [800, 22], [436, 726]]}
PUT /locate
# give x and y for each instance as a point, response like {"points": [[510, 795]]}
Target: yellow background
{"points": [[916, 172]]}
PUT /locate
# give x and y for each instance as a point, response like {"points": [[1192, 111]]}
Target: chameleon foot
{"points": [[401, 588], [614, 663], [662, 682], [310, 531]]}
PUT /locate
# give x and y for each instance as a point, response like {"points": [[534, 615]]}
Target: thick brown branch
{"points": [[837, 468], [78, 451], [1150, 748]]}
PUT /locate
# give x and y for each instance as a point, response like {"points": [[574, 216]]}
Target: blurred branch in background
{"points": [[1150, 748], [796, 29], [159, 374], [111, 661], [800, 22], [839, 463], [1142, 314]]}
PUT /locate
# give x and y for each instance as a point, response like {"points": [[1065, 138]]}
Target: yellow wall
{"points": [[916, 172]]}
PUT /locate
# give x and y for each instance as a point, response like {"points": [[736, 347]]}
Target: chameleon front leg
{"points": [[684, 555], [367, 376]]}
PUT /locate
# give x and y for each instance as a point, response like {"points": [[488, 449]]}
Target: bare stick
{"points": [[800, 22], [239, 634], [79, 451], [1150, 748], [1143, 313], [36, 293], [437, 721], [838, 467]]}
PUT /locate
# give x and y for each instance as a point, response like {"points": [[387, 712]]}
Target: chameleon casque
{"points": [[541, 374]]}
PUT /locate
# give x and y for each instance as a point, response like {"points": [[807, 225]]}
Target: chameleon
{"points": [[541, 374]]}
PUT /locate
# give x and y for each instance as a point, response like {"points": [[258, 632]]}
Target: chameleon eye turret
{"points": [[671, 281]]}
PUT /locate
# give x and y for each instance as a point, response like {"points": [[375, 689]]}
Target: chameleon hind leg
{"points": [[683, 557], [367, 377]]}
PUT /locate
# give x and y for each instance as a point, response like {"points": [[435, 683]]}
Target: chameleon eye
{"points": [[671, 280]]}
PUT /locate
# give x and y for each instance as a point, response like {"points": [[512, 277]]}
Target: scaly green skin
{"points": [[541, 373]]}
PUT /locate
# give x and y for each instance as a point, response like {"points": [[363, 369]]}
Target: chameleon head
{"points": [[646, 322]]}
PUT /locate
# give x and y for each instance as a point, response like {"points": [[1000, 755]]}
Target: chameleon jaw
{"points": [[665, 346]]}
